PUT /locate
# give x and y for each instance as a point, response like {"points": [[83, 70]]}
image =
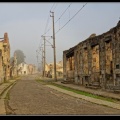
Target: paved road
{"points": [[28, 97]]}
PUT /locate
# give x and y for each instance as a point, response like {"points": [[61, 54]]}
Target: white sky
{"points": [[26, 22]]}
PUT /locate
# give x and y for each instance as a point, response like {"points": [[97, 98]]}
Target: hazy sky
{"points": [[26, 22]]}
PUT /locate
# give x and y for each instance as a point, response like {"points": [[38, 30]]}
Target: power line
{"points": [[47, 23], [40, 47], [54, 7], [69, 12], [38, 52], [47, 30], [48, 19], [63, 13], [58, 18], [78, 11], [40, 42], [49, 42], [71, 18], [37, 56]]}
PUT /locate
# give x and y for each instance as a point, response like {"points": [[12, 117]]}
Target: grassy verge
{"points": [[6, 89], [16, 78], [7, 96], [42, 81], [9, 110], [78, 91]]}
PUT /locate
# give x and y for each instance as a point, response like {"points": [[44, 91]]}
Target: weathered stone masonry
{"points": [[96, 59], [4, 59]]}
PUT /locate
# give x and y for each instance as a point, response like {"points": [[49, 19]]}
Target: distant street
{"points": [[29, 97]]}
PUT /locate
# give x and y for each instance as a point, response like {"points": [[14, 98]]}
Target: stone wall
{"points": [[96, 59], [5, 58], [1, 68]]}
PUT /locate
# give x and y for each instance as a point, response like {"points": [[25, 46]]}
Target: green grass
{"points": [[42, 81], [1, 83], [17, 77], [78, 91], [7, 96], [84, 93], [6, 81]]}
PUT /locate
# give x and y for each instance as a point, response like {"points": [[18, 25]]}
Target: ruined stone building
{"points": [[4, 58], [32, 69], [94, 60], [1, 67], [22, 68], [26, 69], [49, 69], [13, 67]]}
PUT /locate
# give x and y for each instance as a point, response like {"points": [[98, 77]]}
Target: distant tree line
{"points": [[20, 56]]}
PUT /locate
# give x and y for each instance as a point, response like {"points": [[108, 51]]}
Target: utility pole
{"points": [[44, 55], [41, 49], [54, 48], [37, 58], [42, 62]]}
